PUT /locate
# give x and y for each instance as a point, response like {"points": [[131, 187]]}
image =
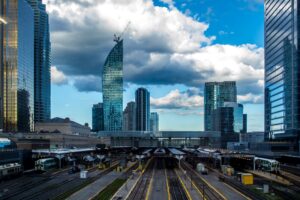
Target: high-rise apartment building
{"points": [[282, 74], [215, 94], [16, 66], [112, 88], [142, 100], [129, 117], [154, 122], [42, 48], [97, 117]]}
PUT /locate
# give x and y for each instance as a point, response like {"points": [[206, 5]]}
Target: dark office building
{"points": [[42, 48], [228, 119], [282, 76], [129, 117], [215, 94], [16, 66], [97, 117], [245, 123], [142, 100]]}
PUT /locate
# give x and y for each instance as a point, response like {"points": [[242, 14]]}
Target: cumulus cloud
{"points": [[175, 99], [250, 98], [58, 77], [88, 83], [162, 46]]}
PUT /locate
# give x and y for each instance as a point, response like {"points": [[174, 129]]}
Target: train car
{"points": [[265, 164], [45, 164], [160, 151], [10, 170]]}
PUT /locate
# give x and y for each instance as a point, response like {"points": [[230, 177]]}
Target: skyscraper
{"points": [[245, 123], [154, 122], [228, 119], [215, 94], [129, 117], [17, 66], [282, 75], [112, 88], [97, 117], [142, 100], [42, 48]]}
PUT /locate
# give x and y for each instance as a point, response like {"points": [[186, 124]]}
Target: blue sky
{"points": [[173, 66]]}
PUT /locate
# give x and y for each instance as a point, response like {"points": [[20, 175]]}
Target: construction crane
{"points": [[118, 38]]}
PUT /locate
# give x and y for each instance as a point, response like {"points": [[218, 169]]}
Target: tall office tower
{"points": [[97, 117], [282, 75], [154, 122], [129, 117], [42, 48], [228, 119], [215, 94], [16, 66], [245, 123], [142, 100], [112, 88]]}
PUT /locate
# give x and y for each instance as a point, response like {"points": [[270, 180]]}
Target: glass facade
{"points": [[129, 117], [228, 119], [281, 69], [97, 117], [154, 122], [112, 88], [215, 94], [142, 100], [17, 66], [42, 48]]}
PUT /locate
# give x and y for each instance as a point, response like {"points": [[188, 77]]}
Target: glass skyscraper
{"points": [[129, 115], [228, 119], [42, 48], [154, 122], [17, 66], [112, 88], [282, 111], [142, 100], [97, 117], [215, 94]]}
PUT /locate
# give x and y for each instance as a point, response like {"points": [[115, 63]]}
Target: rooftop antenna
{"points": [[118, 38]]}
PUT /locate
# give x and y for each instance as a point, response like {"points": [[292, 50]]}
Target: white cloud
{"points": [[250, 98], [162, 46], [58, 77], [175, 99]]}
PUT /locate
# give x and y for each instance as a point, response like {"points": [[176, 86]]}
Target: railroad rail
{"points": [[175, 187], [208, 191], [140, 189]]}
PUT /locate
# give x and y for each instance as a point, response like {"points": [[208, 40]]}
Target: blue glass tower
{"points": [[16, 66], [112, 88], [142, 100], [282, 78], [215, 94], [42, 48]]}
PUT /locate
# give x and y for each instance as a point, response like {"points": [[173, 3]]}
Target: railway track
{"points": [[176, 189], [208, 192], [52, 190], [140, 190]]}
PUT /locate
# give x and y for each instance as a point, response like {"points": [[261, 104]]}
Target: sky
{"points": [[171, 47]]}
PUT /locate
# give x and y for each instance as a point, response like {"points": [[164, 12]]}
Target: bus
{"points": [[45, 164]]}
